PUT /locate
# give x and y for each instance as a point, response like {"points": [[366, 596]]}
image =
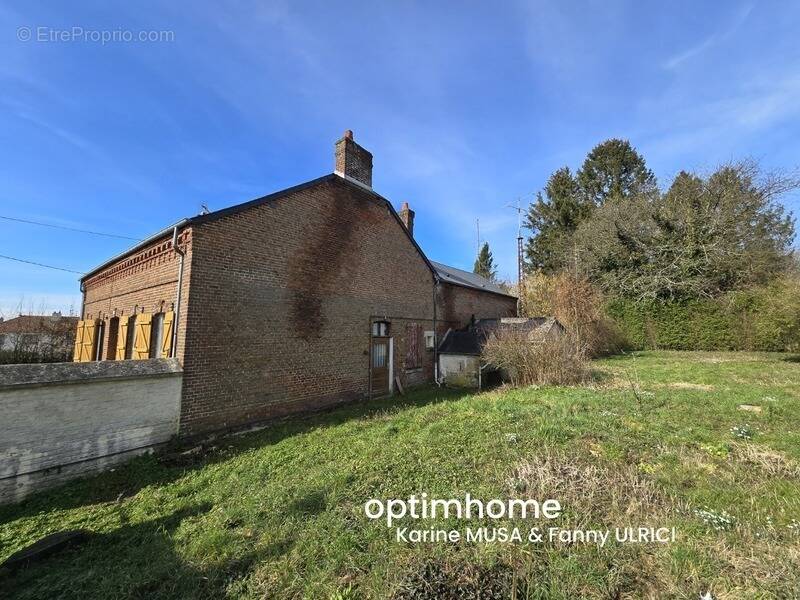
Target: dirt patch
{"points": [[591, 491], [686, 385], [442, 580], [767, 460]]}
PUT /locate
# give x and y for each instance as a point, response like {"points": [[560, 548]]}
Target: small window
{"points": [[131, 337], [113, 341], [430, 341], [156, 335], [380, 329], [99, 339]]}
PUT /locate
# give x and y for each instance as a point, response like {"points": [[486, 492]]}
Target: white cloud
{"points": [[712, 40]]}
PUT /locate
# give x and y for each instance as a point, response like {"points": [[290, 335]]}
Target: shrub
{"points": [[555, 360], [578, 305], [765, 318]]}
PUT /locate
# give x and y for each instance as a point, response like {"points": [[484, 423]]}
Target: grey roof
{"points": [[462, 341], [470, 341], [465, 278], [445, 273]]}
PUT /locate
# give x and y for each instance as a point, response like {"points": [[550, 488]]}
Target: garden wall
{"points": [[63, 420]]}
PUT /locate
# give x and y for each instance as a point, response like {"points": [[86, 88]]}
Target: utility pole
{"points": [[520, 258]]}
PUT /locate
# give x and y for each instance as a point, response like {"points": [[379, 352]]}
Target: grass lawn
{"points": [[278, 513]]}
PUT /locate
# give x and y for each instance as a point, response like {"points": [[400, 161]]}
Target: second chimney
{"points": [[353, 161], [407, 217]]}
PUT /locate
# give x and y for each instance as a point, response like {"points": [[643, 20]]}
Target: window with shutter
{"points": [[412, 346], [88, 345], [76, 353], [122, 339], [130, 338], [156, 335], [141, 347], [166, 343]]}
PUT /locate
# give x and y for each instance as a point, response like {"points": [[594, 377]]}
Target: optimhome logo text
{"points": [[422, 507], [467, 508]]}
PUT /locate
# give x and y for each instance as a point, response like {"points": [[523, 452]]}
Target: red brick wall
{"points": [[457, 304], [277, 302], [146, 279], [282, 296]]}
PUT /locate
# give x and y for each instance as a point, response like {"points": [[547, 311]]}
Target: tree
{"points": [[484, 264], [702, 238], [553, 218], [614, 169]]}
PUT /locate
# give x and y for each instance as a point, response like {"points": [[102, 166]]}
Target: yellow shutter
{"points": [[87, 345], [166, 343], [141, 347], [122, 338], [76, 352]]}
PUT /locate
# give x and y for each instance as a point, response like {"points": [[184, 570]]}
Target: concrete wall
{"points": [[63, 420]]}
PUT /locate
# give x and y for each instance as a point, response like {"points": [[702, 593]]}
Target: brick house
{"points": [[302, 299], [37, 338]]}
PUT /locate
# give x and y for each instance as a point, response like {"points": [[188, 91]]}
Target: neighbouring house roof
{"points": [[467, 279], [443, 272], [470, 341], [37, 324]]}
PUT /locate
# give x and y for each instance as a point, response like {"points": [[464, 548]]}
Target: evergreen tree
{"points": [[553, 217], [614, 169], [484, 264]]}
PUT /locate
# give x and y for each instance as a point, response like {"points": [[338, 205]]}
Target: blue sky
{"points": [[466, 106]]}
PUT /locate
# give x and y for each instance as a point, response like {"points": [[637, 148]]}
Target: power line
{"points": [[112, 235], [30, 262]]}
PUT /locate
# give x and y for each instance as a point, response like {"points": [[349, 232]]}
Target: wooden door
{"points": [[379, 365]]}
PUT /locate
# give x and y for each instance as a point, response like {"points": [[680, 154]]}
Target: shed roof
{"points": [[470, 341], [464, 341]]}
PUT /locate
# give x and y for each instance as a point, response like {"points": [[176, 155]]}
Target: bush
{"points": [[762, 319], [554, 360], [578, 305]]}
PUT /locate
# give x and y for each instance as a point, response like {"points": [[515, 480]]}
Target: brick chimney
{"points": [[353, 161], [407, 217]]}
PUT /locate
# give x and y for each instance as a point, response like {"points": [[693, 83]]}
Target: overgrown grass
{"points": [[278, 513]]}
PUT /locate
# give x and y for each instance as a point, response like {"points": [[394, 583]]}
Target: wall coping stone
{"points": [[17, 376]]}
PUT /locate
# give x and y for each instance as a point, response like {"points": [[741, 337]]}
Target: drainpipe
{"points": [[83, 299], [176, 320], [435, 338]]}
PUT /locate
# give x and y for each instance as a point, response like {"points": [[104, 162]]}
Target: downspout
{"points": [[83, 299], [176, 320], [435, 340]]}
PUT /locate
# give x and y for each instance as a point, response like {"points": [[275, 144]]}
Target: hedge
{"points": [[765, 319]]}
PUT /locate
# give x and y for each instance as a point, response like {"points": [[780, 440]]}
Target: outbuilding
{"points": [[460, 363]]}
